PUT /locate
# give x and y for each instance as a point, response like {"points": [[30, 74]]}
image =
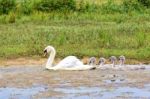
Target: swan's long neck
{"points": [[121, 62], [113, 64], [101, 64], [51, 58]]}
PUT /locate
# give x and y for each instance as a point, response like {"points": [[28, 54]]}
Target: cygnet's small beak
{"points": [[45, 52]]}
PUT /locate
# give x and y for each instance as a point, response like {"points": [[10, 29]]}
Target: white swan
{"points": [[68, 63]]}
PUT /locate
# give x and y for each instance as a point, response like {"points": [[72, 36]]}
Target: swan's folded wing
{"points": [[69, 62]]}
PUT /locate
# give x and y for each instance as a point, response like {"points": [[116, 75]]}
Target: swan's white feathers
{"points": [[70, 61]]}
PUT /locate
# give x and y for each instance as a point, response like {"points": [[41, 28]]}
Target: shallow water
{"points": [[103, 93], [20, 93], [20, 69], [114, 81], [34, 82], [77, 92]]}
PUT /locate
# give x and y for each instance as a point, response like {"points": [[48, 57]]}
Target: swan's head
{"points": [[92, 61], [113, 59], [101, 60], [122, 59], [48, 49]]}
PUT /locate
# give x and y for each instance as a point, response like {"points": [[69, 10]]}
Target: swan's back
{"points": [[69, 62]]}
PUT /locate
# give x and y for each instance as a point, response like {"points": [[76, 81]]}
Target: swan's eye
{"points": [[99, 62], [45, 51]]}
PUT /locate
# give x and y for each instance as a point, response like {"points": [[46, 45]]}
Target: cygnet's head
{"points": [[101, 61], [48, 49], [122, 59], [113, 59], [92, 61]]}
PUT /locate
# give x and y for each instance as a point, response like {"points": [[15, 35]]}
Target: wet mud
{"points": [[35, 82]]}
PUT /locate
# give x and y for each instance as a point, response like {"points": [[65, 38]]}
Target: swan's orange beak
{"points": [[45, 52]]}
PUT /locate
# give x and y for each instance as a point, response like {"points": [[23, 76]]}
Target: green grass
{"points": [[75, 33], [107, 30]]}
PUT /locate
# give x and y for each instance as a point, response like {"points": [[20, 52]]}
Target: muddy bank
{"points": [[42, 61], [34, 82]]}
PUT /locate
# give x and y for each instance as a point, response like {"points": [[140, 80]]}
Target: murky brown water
{"points": [[34, 82]]}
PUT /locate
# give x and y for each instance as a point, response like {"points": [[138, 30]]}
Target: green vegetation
{"points": [[145, 2], [75, 28]]}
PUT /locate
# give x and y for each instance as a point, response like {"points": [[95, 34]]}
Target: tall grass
{"points": [[82, 33], [94, 37], [30, 6], [6, 6]]}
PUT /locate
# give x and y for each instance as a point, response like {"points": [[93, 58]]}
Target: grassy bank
{"points": [[76, 33]]}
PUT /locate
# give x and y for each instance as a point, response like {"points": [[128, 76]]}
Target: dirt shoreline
{"points": [[42, 61]]}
